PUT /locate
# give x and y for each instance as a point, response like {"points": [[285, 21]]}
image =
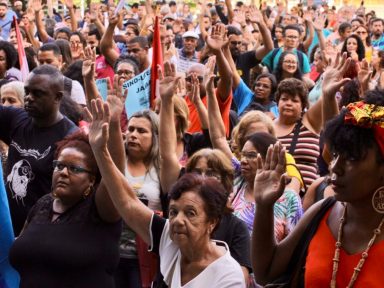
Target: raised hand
{"points": [[239, 18], [333, 76], [88, 69], [36, 5], [195, 95], [209, 69], [255, 15], [364, 75], [217, 38], [319, 23], [69, 4], [116, 99], [168, 81], [99, 118], [270, 178]]}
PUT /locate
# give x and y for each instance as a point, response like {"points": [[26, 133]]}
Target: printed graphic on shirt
{"points": [[17, 181]]}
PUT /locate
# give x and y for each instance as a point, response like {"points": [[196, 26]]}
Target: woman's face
{"points": [[203, 169], [129, 34], [125, 71], [139, 137], [279, 33], [248, 161], [346, 175], [188, 221], [76, 46], [351, 45], [9, 98], [362, 33], [289, 106], [263, 89], [3, 62], [67, 185], [318, 62], [290, 64]]}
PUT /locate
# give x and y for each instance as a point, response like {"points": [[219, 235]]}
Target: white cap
{"points": [[190, 34]]}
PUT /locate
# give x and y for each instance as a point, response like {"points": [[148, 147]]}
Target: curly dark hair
{"points": [[279, 68], [10, 53], [79, 141], [350, 93], [127, 59], [293, 87], [210, 190], [350, 140], [360, 46]]}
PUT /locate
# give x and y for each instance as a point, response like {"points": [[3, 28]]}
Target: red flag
{"points": [[157, 59], [20, 49]]}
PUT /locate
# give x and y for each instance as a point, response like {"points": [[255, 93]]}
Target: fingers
{"points": [[268, 158], [160, 72], [87, 115]]}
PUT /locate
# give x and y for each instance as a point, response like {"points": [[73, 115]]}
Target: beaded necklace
{"points": [[364, 255]]}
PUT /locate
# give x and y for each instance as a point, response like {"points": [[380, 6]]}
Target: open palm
{"points": [[99, 118], [270, 180]]}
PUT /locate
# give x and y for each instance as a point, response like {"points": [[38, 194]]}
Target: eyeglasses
{"points": [[73, 169], [235, 43], [361, 32], [249, 155], [208, 174], [189, 79], [292, 37], [265, 86], [126, 72], [289, 62]]}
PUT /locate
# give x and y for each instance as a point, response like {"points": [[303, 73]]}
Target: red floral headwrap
{"points": [[367, 116]]}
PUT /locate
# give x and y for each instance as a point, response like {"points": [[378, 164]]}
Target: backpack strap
{"points": [[301, 59], [274, 53], [296, 132]]}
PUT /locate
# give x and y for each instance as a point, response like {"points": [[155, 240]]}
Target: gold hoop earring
{"points": [[87, 192], [378, 200]]}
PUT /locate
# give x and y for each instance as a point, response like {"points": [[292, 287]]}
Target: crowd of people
{"points": [[260, 163]]}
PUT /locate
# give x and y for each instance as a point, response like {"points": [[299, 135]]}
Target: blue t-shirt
{"points": [[6, 23], [379, 43], [305, 67], [243, 96]]}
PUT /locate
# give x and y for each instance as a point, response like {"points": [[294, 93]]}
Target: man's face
{"points": [[235, 42], [41, 96], [169, 37], [189, 44], [18, 6], [92, 41], [377, 28], [207, 23], [173, 8], [291, 39], [136, 51], [347, 32], [48, 57], [3, 11]]}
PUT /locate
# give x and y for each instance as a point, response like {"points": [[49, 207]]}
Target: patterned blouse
{"points": [[287, 209]]}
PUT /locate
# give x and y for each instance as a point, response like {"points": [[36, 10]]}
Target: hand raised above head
{"points": [[99, 118], [88, 69], [168, 81], [270, 178]]}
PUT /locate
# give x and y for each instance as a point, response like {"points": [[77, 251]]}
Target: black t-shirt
{"points": [[76, 250], [244, 63], [29, 168]]}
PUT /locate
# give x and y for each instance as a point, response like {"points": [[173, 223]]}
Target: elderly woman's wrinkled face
{"points": [[70, 180], [9, 97], [189, 224], [124, 72]]}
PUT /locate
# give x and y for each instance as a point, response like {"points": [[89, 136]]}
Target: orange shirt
{"points": [[194, 120], [319, 263]]}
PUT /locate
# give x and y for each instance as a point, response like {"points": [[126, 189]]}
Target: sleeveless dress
{"points": [[306, 153], [318, 269]]}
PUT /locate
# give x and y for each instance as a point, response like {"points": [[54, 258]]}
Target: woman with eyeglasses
{"points": [[77, 43], [288, 67], [363, 32], [71, 236]]}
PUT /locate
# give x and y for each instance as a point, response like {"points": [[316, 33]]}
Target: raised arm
{"points": [[231, 14], [169, 165], [71, 10], [227, 54], [107, 45], [257, 19], [36, 6], [216, 125], [88, 71], [94, 17], [134, 212], [30, 29], [198, 103], [311, 30], [269, 259], [215, 42], [319, 25], [326, 108]]}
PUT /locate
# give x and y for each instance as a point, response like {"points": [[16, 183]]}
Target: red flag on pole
{"points": [[157, 59], [20, 49]]}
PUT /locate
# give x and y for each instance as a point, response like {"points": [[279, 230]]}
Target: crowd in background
{"points": [[263, 111]]}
